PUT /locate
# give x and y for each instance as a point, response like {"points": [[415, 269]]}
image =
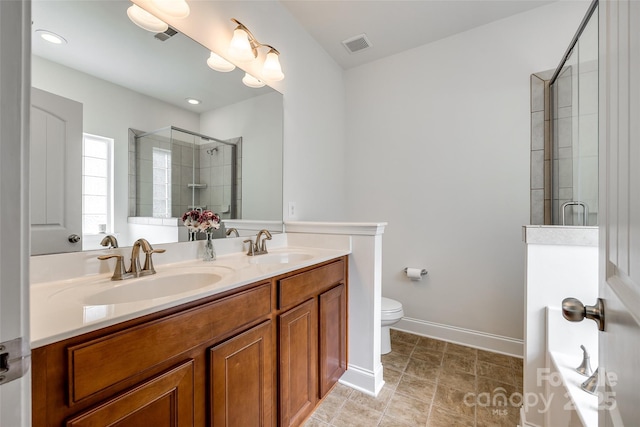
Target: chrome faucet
{"points": [[148, 261], [134, 269], [260, 245], [109, 241]]}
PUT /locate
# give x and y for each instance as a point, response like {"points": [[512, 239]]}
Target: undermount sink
{"points": [[279, 258], [151, 287]]}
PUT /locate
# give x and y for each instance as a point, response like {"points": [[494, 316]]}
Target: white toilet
{"points": [[391, 314]]}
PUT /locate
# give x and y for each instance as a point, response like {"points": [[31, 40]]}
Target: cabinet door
{"points": [[166, 400], [242, 377], [332, 337], [298, 363]]}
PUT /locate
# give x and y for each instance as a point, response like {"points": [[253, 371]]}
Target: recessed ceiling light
{"points": [[193, 101], [51, 37]]}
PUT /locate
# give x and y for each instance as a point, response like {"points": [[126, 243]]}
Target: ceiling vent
{"points": [[357, 43], [170, 32]]}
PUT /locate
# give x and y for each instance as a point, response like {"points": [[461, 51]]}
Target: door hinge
{"points": [[13, 361]]}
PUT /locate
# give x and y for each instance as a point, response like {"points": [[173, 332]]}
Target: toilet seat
{"points": [[391, 310], [390, 305]]}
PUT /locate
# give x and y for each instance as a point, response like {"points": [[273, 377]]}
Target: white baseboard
{"points": [[366, 381], [481, 340]]}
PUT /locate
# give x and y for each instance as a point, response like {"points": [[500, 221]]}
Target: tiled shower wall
{"points": [[215, 170], [211, 169], [564, 165], [540, 205]]}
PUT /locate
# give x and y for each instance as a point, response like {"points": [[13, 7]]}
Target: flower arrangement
{"points": [[205, 221]]}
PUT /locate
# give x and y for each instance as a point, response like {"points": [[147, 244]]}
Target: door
{"points": [[15, 54], [332, 337], [56, 178], [619, 344], [164, 401], [242, 379], [298, 345]]}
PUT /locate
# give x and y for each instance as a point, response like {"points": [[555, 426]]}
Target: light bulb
{"points": [[174, 8], [145, 20], [218, 63], [240, 48], [271, 70], [251, 81]]}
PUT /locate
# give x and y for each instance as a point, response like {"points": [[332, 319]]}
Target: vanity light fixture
{"points": [[218, 63], [251, 81], [51, 37], [145, 20], [244, 47], [174, 8], [193, 101], [271, 69]]}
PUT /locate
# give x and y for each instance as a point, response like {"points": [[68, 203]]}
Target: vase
{"points": [[209, 251]]}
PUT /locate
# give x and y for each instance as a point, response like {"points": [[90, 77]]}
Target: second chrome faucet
{"points": [[260, 245], [120, 273]]}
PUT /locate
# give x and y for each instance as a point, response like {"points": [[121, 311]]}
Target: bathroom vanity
{"points": [[247, 352]]}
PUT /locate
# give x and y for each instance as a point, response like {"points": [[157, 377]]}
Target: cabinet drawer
{"points": [[299, 287], [103, 362]]}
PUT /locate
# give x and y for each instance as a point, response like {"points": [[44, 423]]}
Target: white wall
{"points": [[438, 146], [259, 122], [110, 110]]}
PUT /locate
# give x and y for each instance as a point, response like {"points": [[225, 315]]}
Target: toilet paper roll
{"points": [[414, 274]]}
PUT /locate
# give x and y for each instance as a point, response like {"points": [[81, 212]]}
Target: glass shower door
{"points": [[574, 97]]}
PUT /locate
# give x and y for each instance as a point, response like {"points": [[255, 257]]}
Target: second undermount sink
{"points": [[279, 258], [151, 287]]}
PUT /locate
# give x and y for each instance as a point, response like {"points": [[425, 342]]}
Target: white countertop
{"points": [[62, 309]]}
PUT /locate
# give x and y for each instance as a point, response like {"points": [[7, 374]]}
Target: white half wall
{"points": [[438, 146]]}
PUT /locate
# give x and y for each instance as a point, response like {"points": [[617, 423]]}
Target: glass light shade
{"points": [[174, 8], [218, 63], [271, 70], [251, 81], [145, 20], [240, 48]]}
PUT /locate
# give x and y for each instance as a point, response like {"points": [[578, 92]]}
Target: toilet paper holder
{"points": [[423, 272]]}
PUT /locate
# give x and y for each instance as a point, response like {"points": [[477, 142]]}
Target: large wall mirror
{"points": [[121, 94]]}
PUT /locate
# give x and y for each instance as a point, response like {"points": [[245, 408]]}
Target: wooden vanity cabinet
{"points": [[157, 368], [312, 336], [261, 355]]}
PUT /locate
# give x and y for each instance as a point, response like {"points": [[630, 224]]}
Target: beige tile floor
{"points": [[431, 383]]}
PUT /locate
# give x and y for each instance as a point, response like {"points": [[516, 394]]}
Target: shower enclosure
{"points": [[173, 170], [573, 91]]}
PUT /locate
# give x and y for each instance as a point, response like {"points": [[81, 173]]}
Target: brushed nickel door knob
{"points": [[574, 311]]}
